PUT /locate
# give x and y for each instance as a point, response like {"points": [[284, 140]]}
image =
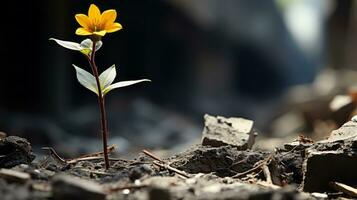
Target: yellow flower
{"points": [[96, 23]]}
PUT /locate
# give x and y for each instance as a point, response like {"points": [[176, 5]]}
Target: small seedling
{"points": [[95, 26]]}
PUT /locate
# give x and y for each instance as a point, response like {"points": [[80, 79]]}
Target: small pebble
{"points": [[319, 195], [23, 166], [126, 191], [354, 118], [2, 135], [137, 182]]}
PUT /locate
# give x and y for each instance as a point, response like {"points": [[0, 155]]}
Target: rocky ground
{"points": [[224, 166]]}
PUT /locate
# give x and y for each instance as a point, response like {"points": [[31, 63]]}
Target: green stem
{"points": [[101, 102]]}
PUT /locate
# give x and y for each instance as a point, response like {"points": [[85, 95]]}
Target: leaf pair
{"points": [[84, 47], [105, 79], [87, 79]]}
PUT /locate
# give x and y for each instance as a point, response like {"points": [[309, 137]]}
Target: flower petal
{"points": [[83, 31], [114, 27], [100, 33], [83, 20], [94, 14], [108, 18]]}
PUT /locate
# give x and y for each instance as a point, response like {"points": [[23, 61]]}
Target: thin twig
{"points": [[267, 174], [238, 163], [148, 153], [288, 152], [44, 162], [177, 171], [257, 165], [352, 192], [75, 160], [246, 172], [162, 163], [54, 154], [100, 153], [92, 156]]}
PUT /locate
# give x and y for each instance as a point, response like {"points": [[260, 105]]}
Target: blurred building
{"points": [[233, 57]]}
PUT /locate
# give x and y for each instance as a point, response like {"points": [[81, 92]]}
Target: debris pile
{"points": [[223, 166]]}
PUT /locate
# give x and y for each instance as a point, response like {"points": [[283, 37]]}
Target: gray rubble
{"points": [[14, 151], [219, 131], [70, 187], [211, 187], [302, 169], [223, 161]]}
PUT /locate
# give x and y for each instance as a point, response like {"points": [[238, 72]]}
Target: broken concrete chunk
{"points": [[14, 176], [320, 168], [348, 131], [70, 187], [219, 131], [14, 151], [333, 159]]}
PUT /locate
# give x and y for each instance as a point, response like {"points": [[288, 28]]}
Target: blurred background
{"points": [[281, 63]]}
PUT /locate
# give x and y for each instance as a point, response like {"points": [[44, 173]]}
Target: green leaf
{"points": [[122, 84], [107, 77], [86, 79], [68, 44]]}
